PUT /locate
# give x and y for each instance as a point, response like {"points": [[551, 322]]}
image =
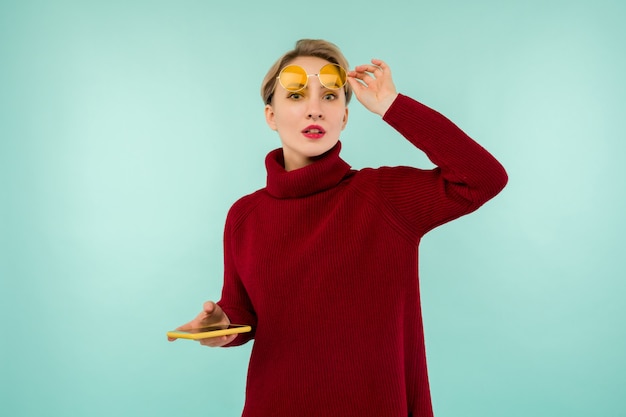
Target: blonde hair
{"points": [[304, 47]]}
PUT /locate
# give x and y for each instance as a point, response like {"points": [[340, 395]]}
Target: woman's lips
{"points": [[313, 132]]}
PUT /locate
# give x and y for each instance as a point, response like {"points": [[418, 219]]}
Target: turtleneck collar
{"points": [[324, 173]]}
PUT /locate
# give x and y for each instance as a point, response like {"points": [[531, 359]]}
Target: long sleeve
{"points": [[235, 300], [465, 177]]}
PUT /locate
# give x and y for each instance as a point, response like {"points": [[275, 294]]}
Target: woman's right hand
{"points": [[211, 315]]}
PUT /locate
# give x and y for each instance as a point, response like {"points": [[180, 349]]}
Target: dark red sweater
{"points": [[323, 263]]}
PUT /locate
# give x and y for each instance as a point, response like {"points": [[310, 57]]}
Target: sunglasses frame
{"points": [[342, 69]]}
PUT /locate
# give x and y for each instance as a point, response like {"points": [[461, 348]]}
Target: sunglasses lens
{"points": [[332, 76], [293, 78]]}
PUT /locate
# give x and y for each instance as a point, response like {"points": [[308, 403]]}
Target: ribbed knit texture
{"points": [[323, 263]]}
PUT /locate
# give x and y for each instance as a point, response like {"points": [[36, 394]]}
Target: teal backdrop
{"points": [[128, 128]]}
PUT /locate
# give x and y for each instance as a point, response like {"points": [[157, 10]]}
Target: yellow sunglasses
{"points": [[294, 78]]}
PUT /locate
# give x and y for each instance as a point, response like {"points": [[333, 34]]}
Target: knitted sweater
{"points": [[323, 263]]}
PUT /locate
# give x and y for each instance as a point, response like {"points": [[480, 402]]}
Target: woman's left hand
{"points": [[373, 86]]}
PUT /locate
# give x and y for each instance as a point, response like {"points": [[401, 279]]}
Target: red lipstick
{"points": [[314, 132]]}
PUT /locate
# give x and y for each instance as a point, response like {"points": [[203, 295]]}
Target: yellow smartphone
{"points": [[210, 331]]}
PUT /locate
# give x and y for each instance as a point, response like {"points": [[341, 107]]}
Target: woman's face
{"points": [[308, 122]]}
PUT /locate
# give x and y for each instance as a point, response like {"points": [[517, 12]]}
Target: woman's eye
{"points": [[330, 96], [295, 96]]}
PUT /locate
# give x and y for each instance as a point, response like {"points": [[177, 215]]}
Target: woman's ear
{"points": [[270, 118], [345, 120]]}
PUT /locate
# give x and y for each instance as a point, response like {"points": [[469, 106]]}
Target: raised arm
{"points": [[466, 175]]}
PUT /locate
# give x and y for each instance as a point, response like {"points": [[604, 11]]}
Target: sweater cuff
{"points": [[403, 107]]}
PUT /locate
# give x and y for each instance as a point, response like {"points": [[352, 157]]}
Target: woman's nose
{"points": [[314, 110]]}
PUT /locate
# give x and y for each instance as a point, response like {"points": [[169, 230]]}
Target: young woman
{"points": [[323, 261]]}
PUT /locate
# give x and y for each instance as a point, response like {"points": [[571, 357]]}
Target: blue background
{"points": [[127, 129]]}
